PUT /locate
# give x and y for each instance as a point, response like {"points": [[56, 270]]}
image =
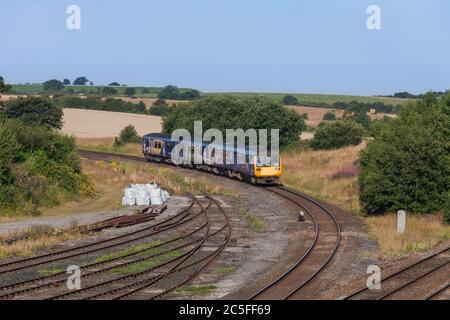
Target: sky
{"points": [[314, 46]]}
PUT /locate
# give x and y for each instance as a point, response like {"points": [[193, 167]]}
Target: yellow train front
{"points": [[267, 170]]}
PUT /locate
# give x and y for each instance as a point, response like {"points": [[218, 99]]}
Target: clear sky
{"points": [[313, 46]]}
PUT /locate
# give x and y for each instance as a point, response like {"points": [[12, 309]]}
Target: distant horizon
{"points": [[231, 91]]}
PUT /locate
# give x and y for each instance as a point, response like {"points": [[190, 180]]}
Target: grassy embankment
{"points": [[312, 172]]}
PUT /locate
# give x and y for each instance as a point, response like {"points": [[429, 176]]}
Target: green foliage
{"points": [[53, 85], [337, 134], [80, 81], [289, 100], [329, 116], [159, 108], [169, 92], [446, 210], [4, 88], [96, 103], [109, 91], [226, 112], [39, 167], [407, 165], [34, 111], [189, 95], [114, 84], [359, 115], [128, 135], [130, 92], [66, 82]]}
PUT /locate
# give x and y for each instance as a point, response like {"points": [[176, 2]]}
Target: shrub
{"points": [[159, 108], [39, 167], [407, 164], [169, 92], [53, 85], [129, 135], [329, 116], [130, 92], [337, 134], [34, 111], [109, 91], [347, 172], [289, 100]]}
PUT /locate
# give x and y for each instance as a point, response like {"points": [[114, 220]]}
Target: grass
{"points": [[256, 224], [226, 270], [194, 291], [145, 265], [128, 251], [50, 272], [107, 145], [27, 242], [317, 99], [422, 233], [311, 172]]}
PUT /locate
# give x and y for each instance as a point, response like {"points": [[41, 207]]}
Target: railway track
{"points": [[400, 284], [307, 269], [292, 283], [51, 286]]}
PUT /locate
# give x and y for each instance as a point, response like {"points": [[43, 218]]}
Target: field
{"points": [[319, 99], [98, 124], [303, 98], [312, 172]]}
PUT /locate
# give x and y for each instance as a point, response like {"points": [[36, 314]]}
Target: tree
{"points": [[108, 91], [289, 100], [80, 81], [337, 134], [130, 92], [129, 135], [53, 85], [4, 88], [114, 84], [190, 95], [407, 164], [34, 111], [169, 92], [358, 113], [145, 90], [66, 82], [91, 83], [226, 112], [329, 116]]}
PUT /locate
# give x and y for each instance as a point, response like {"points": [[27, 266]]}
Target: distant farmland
{"points": [[318, 100]]}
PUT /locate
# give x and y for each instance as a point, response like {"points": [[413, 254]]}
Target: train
{"points": [[258, 170]]}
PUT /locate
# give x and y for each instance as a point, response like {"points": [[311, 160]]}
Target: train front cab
{"points": [[267, 170]]}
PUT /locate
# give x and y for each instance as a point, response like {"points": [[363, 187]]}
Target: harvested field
{"points": [[98, 124]]}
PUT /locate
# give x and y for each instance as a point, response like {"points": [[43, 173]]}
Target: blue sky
{"points": [[313, 46]]}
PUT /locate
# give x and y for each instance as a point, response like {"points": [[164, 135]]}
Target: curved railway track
{"points": [[190, 242], [402, 281], [320, 252]]}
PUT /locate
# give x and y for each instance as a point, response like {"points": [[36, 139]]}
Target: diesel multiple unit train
{"points": [[255, 169]]}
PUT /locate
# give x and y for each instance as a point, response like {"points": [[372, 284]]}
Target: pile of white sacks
{"points": [[144, 195]]}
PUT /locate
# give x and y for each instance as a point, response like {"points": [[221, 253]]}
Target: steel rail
{"points": [[418, 262]]}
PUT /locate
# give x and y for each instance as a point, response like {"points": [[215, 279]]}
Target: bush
{"points": [[130, 92], [407, 165], [53, 85], [226, 112], [109, 91], [96, 103], [34, 111], [159, 109], [128, 135], [169, 92], [4, 88], [39, 167], [337, 134], [289, 100], [329, 116]]}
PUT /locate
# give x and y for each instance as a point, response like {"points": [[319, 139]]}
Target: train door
{"points": [[155, 147]]}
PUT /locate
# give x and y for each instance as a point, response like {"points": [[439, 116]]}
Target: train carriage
{"points": [[252, 167]]}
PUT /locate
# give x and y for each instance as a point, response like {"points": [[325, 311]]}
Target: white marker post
{"points": [[401, 221]]}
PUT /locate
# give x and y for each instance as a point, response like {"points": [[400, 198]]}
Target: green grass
{"points": [[317, 99], [50, 272], [256, 224], [145, 265], [194, 291], [226, 270], [127, 251]]}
